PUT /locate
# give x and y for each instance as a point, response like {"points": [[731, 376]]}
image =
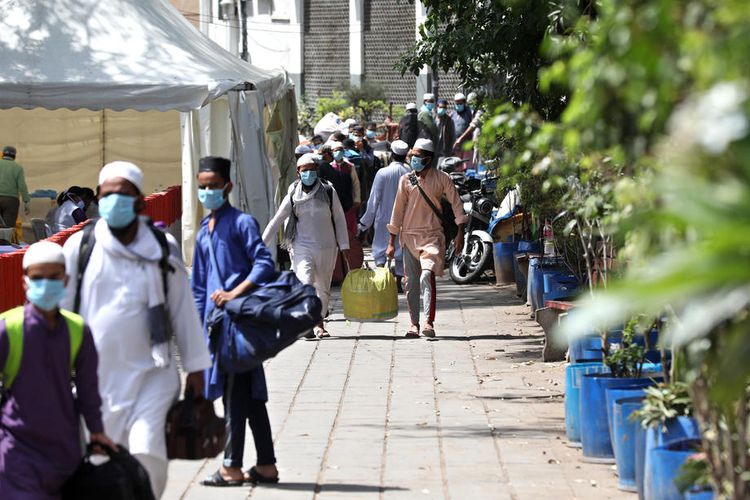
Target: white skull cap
{"points": [[399, 147], [306, 159], [424, 145], [43, 252], [411, 105], [123, 169], [459, 97], [428, 97]]}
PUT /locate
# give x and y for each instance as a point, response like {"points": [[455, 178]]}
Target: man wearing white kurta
{"points": [[320, 230], [380, 205], [122, 287]]}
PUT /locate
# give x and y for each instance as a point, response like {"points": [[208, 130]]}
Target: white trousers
{"points": [[140, 426], [315, 267]]}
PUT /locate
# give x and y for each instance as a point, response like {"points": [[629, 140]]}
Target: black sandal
{"points": [[218, 480], [256, 477]]}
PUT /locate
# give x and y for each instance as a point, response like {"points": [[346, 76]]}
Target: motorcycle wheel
{"points": [[475, 259]]}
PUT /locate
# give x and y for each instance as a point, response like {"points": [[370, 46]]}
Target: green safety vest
{"points": [[14, 329]]}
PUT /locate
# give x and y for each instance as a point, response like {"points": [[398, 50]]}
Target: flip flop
{"points": [[217, 480], [256, 477]]}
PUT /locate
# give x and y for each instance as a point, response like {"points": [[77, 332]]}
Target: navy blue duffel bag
{"points": [[260, 324]]}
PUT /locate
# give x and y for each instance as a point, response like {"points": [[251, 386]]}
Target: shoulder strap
{"points": [[84, 255], [14, 331], [329, 191], [75, 332], [164, 264], [291, 197], [415, 181]]}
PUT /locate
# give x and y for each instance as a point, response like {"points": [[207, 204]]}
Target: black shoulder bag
{"points": [[444, 214]]}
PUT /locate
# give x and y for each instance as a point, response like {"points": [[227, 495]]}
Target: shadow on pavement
{"points": [[347, 488]]}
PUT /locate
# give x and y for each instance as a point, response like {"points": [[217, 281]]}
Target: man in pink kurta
{"points": [[421, 232]]}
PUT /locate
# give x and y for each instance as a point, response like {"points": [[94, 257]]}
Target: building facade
{"points": [[324, 44]]}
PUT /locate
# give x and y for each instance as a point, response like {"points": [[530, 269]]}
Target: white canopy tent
{"points": [[138, 55]]}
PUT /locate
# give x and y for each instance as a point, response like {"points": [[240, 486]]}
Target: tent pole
{"points": [[104, 137]]}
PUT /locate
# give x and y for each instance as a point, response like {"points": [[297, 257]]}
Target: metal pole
{"points": [[243, 27]]}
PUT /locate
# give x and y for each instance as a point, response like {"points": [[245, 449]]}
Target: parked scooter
{"points": [[484, 214]]}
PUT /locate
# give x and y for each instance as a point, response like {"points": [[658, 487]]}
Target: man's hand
{"points": [[100, 438], [26, 208], [221, 297], [458, 243], [194, 383], [390, 251]]}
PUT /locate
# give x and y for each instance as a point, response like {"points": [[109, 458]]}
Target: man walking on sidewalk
{"points": [[12, 185], [315, 231], [230, 260], [421, 232], [134, 291], [42, 351]]}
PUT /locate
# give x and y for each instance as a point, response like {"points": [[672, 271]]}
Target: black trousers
{"points": [[9, 210], [240, 408]]}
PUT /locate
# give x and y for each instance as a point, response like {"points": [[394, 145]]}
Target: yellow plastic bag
{"points": [[370, 295]]}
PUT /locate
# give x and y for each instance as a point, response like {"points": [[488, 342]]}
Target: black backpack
{"points": [[408, 128], [121, 478], [342, 183], [87, 247]]}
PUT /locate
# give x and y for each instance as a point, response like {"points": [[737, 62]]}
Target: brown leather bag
{"points": [[194, 431]]}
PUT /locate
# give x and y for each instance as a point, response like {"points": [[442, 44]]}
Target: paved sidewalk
{"points": [[368, 414]]}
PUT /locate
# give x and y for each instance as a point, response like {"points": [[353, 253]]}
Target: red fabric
{"points": [[165, 207]]}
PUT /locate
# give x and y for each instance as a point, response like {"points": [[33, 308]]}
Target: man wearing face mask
{"points": [[420, 231], [134, 290], [446, 131], [315, 231], [461, 115], [39, 418], [426, 117], [230, 260]]}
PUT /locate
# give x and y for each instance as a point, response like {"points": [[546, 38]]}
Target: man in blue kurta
{"points": [[380, 205], [242, 263], [40, 444]]}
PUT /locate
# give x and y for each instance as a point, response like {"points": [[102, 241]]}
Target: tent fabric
{"points": [[116, 54], [61, 148]]}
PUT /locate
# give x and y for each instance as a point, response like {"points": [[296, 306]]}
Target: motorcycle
{"points": [[484, 214]]}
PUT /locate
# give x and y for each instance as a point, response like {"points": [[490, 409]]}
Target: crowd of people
{"points": [[105, 311]]}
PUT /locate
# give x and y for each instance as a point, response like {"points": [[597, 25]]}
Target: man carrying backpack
{"points": [[315, 231], [42, 350], [417, 222], [230, 260], [131, 286]]}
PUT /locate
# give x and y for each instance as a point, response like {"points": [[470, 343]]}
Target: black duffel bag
{"points": [[257, 326], [121, 477]]}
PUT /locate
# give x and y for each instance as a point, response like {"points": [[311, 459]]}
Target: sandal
{"points": [[428, 332], [255, 477], [412, 334], [218, 480], [322, 333]]}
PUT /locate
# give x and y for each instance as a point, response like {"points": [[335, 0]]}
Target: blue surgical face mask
{"points": [[45, 294], [441, 111], [429, 105], [308, 177], [460, 107], [353, 137], [370, 134], [118, 210], [338, 155], [211, 199], [416, 164]]}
